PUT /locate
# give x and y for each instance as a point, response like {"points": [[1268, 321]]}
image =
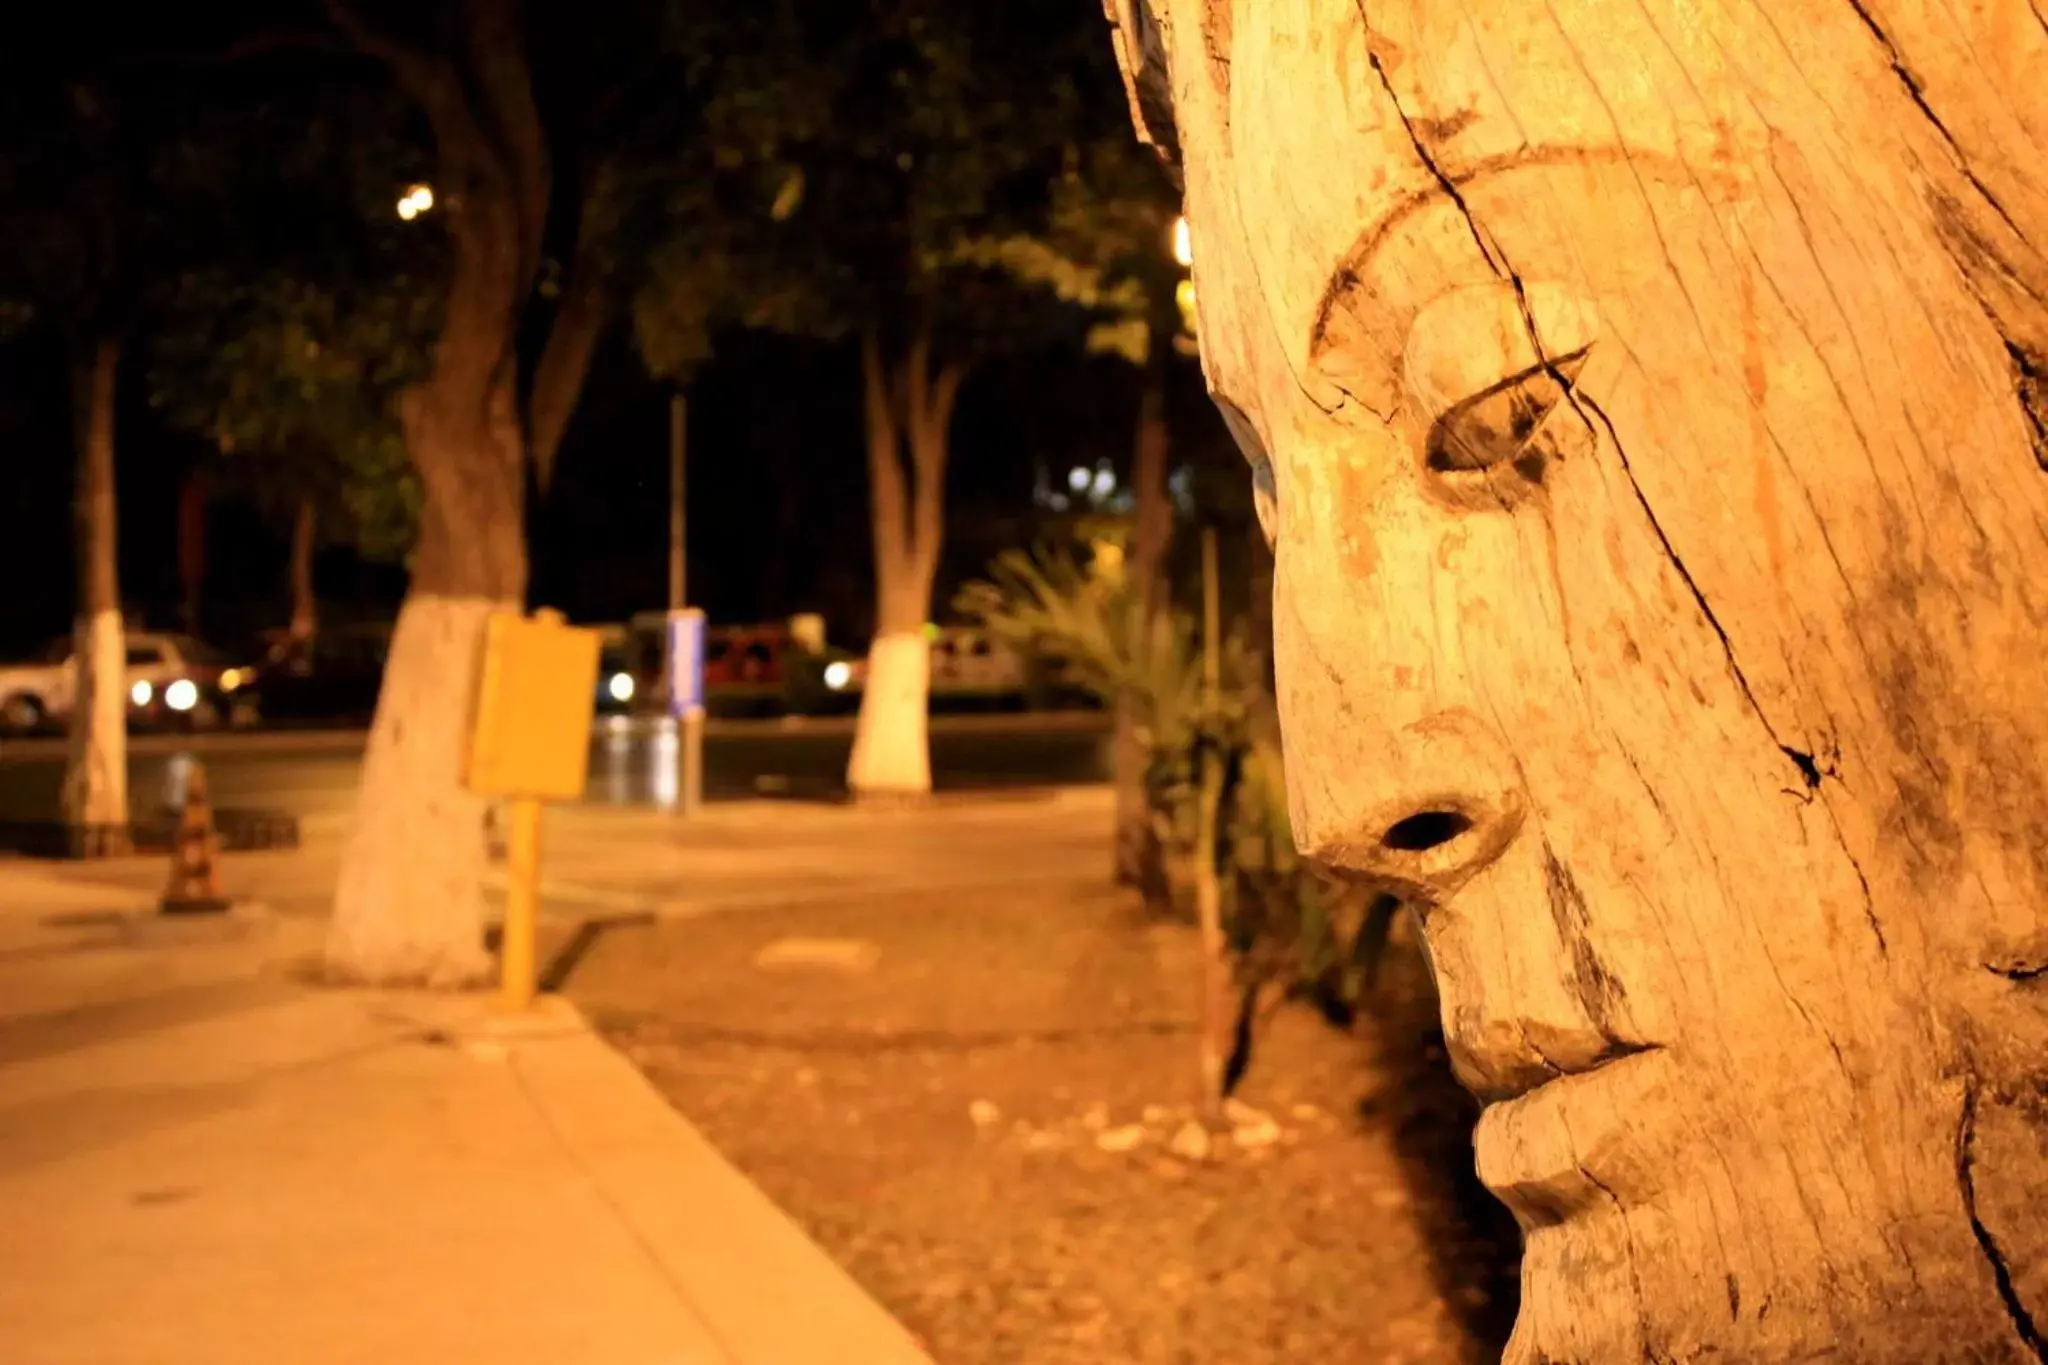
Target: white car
{"points": [[36, 693], [169, 678]]}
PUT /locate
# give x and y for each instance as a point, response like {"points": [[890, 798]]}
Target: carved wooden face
{"points": [[1636, 399]]}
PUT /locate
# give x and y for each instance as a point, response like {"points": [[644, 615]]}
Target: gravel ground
{"points": [[980, 1107]]}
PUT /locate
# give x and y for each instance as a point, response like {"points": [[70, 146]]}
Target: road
{"points": [[314, 774]]}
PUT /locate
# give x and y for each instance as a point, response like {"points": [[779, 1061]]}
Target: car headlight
{"points": [[838, 675], [620, 686], [182, 695], [141, 692]]}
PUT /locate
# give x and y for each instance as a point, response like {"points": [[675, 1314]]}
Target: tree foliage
{"points": [[856, 166]]}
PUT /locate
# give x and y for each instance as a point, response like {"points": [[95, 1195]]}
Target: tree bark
{"points": [[909, 411], [409, 904], [1646, 401], [305, 618], [1140, 857], [95, 796]]}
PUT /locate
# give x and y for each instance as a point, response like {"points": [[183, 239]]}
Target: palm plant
{"points": [[1287, 925]]}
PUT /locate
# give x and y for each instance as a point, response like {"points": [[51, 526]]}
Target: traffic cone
{"points": [[195, 849]]}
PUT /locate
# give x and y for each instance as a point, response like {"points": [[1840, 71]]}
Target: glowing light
{"points": [[1105, 483], [620, 686], [231, 679], [1184, 295], [141, 692], [838, 675], [1078, 479], [418, 200], [182, 695], [1183, 242]]}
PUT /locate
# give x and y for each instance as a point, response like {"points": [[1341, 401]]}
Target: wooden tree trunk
{"points": [[305, 618], [1140, 860], [1648, 401], [909, 410], [409, 905], [95, 797]]}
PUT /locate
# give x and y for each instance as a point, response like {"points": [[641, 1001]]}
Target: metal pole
{"points": [[677, 563], [690, 746]]}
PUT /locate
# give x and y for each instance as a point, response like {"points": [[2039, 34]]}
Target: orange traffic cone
{"points": [[195, 849]]}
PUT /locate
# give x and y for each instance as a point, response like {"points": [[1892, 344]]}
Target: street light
{"points": [[418, 199]]}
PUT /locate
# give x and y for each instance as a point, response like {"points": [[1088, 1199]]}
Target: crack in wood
{"points": [[1422, 152], [2001, 1273], [2030, 382], [1918, 94]]}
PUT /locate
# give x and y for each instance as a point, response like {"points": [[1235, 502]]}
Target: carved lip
{"points": [[1556, 1151], [1498, 1074]]}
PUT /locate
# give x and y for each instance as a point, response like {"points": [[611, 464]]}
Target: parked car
{"points": [[39, 691], [173, 681], [178, 682], [334, 679]]}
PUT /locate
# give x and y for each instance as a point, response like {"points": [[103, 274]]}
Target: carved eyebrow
{"points": [[1350, 270]]}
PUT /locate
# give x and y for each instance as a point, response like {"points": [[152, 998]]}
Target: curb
{"points": [[762, 1289]]}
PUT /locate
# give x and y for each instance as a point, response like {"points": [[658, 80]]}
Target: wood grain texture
{"points": [[1646, 401]]}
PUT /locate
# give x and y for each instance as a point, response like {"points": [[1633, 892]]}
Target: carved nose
{"points": [[1437, 810]]}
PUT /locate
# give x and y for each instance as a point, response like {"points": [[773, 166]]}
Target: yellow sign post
{"points": [[530, 743]]}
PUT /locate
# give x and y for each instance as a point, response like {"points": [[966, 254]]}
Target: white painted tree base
{"points": [[891, 743], [409, 907], [96, 773]]}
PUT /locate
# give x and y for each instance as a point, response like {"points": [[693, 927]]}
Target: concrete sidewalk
{"points": [[203, 1158]]}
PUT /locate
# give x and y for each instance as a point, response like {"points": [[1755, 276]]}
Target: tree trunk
{"points": [[1140, 858], [1649, 403], [305, 619], [909, 410], [409, 904], [95, 799]]}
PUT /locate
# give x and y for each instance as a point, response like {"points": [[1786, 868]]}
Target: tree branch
{"points": [[930, 448], [422, 75], [497, 50], [572, 339], [885, 469]]}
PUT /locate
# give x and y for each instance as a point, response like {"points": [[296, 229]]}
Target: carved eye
{"points": [[1500, 432]]}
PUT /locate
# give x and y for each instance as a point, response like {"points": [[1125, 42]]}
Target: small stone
{"points": [[984, 1113], [1122, 1139], [806, 1076], [1391, 1199], [1157, 1113], [1044, 1140], [1095, 1118], [1190, 1142], [1238, 1114], [1263, 1132], [484, 1050], [1306, 1113]]}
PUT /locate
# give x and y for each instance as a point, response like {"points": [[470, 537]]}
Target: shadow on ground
{"points": [[1474, 1243]]}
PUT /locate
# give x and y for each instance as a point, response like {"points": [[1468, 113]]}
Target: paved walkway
{"points": [[203, 1158]]}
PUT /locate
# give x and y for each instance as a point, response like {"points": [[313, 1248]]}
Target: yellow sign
{"points": [[533, 709]]}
